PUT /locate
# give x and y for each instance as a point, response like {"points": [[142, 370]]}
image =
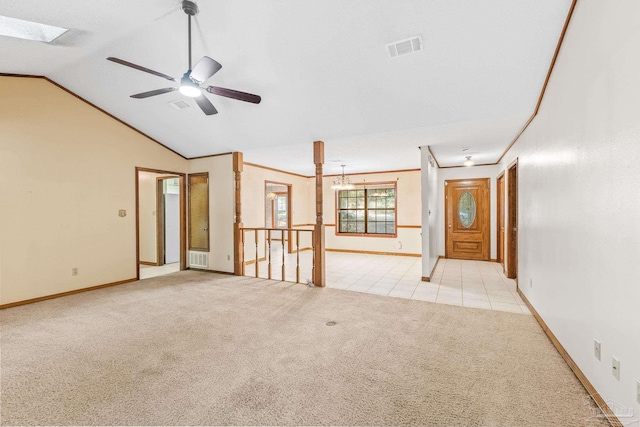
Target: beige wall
{"points": [[67, 169], [408, 213], [221, 208]]}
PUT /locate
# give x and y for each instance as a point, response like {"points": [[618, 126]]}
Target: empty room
{"points": [[362, 212]]}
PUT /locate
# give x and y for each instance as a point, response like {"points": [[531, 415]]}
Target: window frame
{"points": [[368, 186]]}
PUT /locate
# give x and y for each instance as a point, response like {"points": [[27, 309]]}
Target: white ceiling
{"points": [[321, 67]]}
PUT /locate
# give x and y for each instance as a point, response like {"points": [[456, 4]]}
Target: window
{"points": [[367, 210]]}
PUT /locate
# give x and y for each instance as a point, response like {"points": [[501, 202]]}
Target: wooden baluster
{"points": [[269, 245], [242, 240], [283, 251], [313, 255], [256, 237], [297, 256]]}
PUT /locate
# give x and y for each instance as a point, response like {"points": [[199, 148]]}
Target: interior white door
{"points": [[171, 228]]}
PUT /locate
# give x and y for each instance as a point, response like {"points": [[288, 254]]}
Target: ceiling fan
{"points": [[193, 78]]}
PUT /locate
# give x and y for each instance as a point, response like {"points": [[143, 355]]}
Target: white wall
{"points": [[408, 212], [221, 208], [431, 220], [67, 169], [579, 202]]}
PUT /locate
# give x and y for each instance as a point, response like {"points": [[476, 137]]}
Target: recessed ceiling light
{"points": [[464, 150], [28, 30]]}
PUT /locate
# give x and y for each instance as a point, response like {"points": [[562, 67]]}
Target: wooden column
{"points": [[319, 278], [238, 250]]}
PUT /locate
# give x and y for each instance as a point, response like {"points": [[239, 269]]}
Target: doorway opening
{"points": [[500, 220], [278, 212], [160, 222], [512, 218], [467, 219]]}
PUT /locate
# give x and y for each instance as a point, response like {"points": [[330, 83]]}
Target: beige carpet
{"points": [[204, 349]]}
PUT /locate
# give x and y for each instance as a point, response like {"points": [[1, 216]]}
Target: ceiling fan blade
{"points": [[204, 69], [234, 94], [153, 92], [205, 105], [138, 67]]}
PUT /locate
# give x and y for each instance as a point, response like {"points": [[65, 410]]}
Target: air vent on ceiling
{"points": [[180, 104], [405, 47]]}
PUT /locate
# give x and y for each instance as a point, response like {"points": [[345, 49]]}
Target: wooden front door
{"points": [[467, 219], [500, 219]]}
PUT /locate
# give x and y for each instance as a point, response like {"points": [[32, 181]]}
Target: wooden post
{"points": [[238, 250], [318, 231]]}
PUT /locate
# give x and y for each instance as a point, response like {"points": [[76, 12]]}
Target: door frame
{"points": [[487, 208], [160, 231], [289, 210], [511, 248], [183, 205], [500, 219]]}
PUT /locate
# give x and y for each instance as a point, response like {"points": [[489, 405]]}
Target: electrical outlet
{"points": [[531, 282], [596, 349], [122, 213], [74, 271], [615, 368], [228, 257]]}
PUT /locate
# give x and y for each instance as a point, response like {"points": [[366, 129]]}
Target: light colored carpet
{"points": [[197, 348]]}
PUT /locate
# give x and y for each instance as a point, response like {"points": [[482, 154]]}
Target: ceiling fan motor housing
{"points": [[189, 7]]}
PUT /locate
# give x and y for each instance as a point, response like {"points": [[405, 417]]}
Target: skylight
{"points": [[28, 30]]}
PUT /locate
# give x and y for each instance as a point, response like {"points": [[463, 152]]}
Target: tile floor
{"points": [[465, 283], [148, 271]]}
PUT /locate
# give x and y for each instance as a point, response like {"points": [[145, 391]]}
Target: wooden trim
{"points": [[210, 155], [329, 225], [373, 252], [207, 249], [428, 279], [364, 185], [238, 234], [408, 226], [94, 106], [472, 166], [372, 173], [183, 215], [159, 221], [275, 170], [511, 196], [253, 261], [153, 264], [433, 156], [302, 225], [64, 294], [546, 80], [318, 237], [593, 393], [202, 270]]}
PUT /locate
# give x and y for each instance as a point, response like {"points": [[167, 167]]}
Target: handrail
{"points": [[268, 240]]}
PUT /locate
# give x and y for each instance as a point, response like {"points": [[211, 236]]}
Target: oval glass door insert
{"points": [[466, 209]]}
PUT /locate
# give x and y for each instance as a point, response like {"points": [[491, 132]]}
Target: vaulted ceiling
{"points": [[321, 67]]}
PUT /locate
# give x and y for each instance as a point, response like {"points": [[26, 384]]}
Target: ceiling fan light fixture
{"points": [[468, 162], [188, 87], [190, 91]]}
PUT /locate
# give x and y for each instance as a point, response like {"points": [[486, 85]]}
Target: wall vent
{"points": [[180, 104], [199, 259], [405, 47]]}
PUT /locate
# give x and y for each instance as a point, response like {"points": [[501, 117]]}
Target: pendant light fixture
{"points": [[468, 162], [342, 182]]}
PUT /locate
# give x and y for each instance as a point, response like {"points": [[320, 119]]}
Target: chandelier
{"points": [[342, 182]]}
